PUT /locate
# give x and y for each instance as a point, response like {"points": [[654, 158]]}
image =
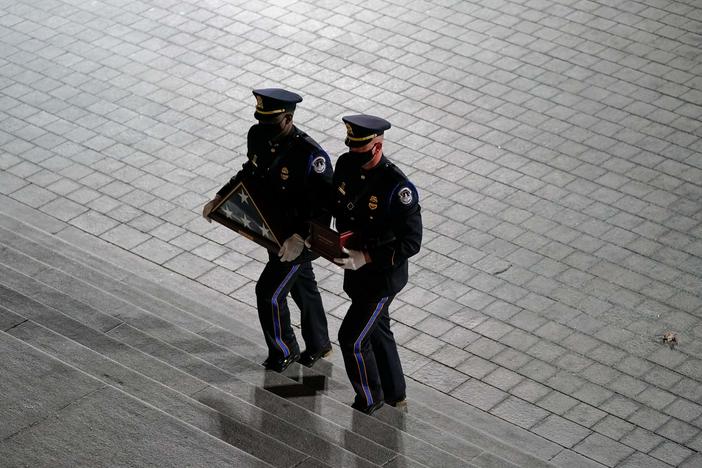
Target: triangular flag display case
{"points": [[248, 211]]}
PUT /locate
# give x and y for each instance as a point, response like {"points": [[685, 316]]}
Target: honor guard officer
{"points": [[375, 200], [295, 172]]}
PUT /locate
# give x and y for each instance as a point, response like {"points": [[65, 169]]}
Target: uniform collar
{"points": [[286, 140]]}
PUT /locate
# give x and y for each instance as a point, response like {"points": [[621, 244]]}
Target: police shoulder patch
{"points": [[405, 195], [319, 164]]}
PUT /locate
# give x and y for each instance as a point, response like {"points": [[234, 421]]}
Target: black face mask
{"points": [[269, 131], [359, 159]]}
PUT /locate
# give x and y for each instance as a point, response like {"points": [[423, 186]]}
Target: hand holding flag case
{"points": [[327, 242], [247, 212]]}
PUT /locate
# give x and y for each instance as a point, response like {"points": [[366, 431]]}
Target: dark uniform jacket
{"points": [[295, 172], [381, 208]]}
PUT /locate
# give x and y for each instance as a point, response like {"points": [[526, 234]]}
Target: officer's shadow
{"points": [[385, 427], [304, 391], [302, 406], [301, 386]]}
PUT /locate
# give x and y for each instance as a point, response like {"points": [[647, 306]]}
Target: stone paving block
{"points": [[640, 460], [492, 328], [663, 378], [561, 431], [33, 195], [614, 428], [188, 265], [519, 339], [63, 209], [501, 310], [479, 394], [648, 418], [684, 410], [476, 367], [502, 378], [93, 222], [125, 236], [223, 280], [411, 361], [450, 356], [424, 344], [574, 460], [157, 250], [655, 398], [557, 402], [512, 359], [485, 348], [593, 394], [585, 414], [603, 449], [519, 412], [609, 355], [439, 376], [530, 390], [10, 183], [671, 453], [678, 431], [434, 326], [408, 314]]}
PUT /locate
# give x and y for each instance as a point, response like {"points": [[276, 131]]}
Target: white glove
{"points": [[355, 260], [291, 248]]}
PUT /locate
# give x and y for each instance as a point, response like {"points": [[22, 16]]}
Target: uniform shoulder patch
{"points": [[405, 195], [319, 164]]}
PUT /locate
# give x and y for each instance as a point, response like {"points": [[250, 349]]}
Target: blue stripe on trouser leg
{"points": [[276, 312], [359, 357]]}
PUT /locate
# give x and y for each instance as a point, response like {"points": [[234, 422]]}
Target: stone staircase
{"points": [[112, 360]]}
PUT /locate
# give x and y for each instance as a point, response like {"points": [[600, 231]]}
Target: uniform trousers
{"points": [[276, 281], [370, 352]]}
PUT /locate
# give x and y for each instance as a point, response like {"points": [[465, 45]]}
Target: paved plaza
{"points": [[556, 146]]}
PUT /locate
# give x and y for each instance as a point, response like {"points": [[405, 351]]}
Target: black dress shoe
{"points": [[308, 359], [280, 364], [368, 409], [397, 402]]}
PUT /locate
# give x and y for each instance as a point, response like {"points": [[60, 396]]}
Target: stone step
{"points": [[254, 391], [55, 415], [176, 392], [520, 442], [523, 448]]}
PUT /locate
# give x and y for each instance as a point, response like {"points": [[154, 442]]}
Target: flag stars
{"points": [[245, 221]]}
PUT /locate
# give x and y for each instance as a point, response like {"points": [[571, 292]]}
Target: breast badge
{"points": [[284, 173], [373, 202]]}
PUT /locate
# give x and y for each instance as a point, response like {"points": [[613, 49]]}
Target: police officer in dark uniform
{"points": [[296, 172], [375, 200]]}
